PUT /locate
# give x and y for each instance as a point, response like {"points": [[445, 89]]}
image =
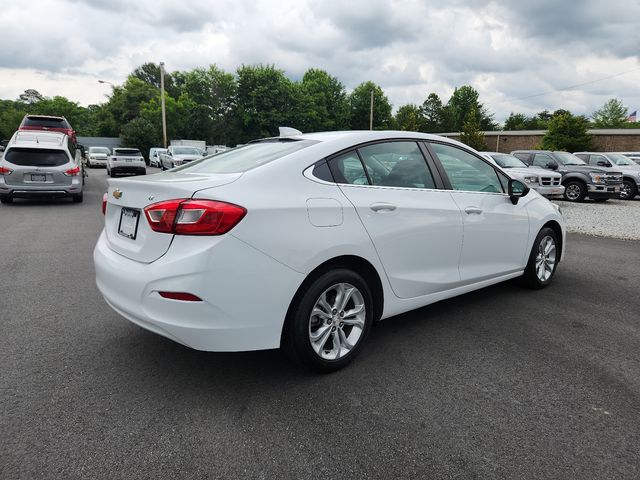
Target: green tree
{"points": [[324, 103], [434, 115], [265, 101], [613, 114], [30, 96], [139, 133], [409, 118], [567, 132], [78, 116], [360, 100], [472, 131], [126, 100], [11, 114], [462, 101], [516, 121]]}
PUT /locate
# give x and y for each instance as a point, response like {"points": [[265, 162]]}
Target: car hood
{"points": [[582, 169], [523, 171]]}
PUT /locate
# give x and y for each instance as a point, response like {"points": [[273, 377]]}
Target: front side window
{"points": [[542, 160], [467, 172], [597, 158], [396, 164]]}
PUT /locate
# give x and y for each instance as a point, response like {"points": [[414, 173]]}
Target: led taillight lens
{"points": [[5, 171], [193, 217], [72, 172]]}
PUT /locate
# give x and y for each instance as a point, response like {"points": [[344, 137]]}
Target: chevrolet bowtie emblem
{"points": [[117, 194]]}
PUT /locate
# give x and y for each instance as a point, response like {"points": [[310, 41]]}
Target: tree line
{"points": [[230, 108]]}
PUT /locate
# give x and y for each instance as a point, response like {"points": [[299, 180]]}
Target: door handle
{"points": [[473, 210], [378, 207]]}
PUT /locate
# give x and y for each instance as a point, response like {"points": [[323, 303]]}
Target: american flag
{"points": [[632, 117]]}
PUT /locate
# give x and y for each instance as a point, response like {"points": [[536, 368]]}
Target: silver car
{"points": [[97, 156], [40, 164]]}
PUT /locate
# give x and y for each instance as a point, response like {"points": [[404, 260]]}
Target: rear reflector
{"points": [[193, 217], [104, 204], [183, 296]]}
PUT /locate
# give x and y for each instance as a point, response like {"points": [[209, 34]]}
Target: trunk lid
{"points": [[127, 229]]}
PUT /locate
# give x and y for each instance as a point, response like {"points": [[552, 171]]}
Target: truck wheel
{"points": [[543, 260], [6, 199], [575, 191], [629, 190], [328, 321]]}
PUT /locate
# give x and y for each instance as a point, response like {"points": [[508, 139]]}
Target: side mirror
{"points": [[551, 166], [516, 190]]}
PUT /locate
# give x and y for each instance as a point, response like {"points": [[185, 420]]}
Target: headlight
{"points": [[531, 179], [597, 177], [91, 157]]}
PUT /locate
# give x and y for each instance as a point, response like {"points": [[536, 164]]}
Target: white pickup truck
{"points": [[177, 155]]}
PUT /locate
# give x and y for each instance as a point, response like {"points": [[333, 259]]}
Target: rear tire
{"points": [[319, 318], [575, 191], [6, 199], [543, 260], [77, 198]]}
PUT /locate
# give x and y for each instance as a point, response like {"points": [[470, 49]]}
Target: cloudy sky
{"points": [[519, 55]]}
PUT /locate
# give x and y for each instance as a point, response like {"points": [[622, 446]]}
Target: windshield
{"points": [[508, 161], [245, 158], [620, 159], [568, 158], [186, 151], [99, 150]]}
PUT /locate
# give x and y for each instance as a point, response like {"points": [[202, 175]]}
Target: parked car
{"points": [[48, 123], [364, 226], [97, 156], [178, 155], [126, 160], [154, 156], [579, 179], [616, 162], [40, 164], [545, 182]]}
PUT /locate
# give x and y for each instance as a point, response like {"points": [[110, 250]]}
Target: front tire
{"points": [[543, 260], [329, 321], [575, 191], [629, 190]]}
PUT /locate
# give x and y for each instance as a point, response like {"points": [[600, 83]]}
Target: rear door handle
{"points": [[473, 210], [378, 207]]}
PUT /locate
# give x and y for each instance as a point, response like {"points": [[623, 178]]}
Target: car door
{"points": [[415, 227], [495, 232]]}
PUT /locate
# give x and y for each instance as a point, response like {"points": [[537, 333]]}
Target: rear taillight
{"points": [[104, 204], [5, 171], [193, 217], [73, 172]]}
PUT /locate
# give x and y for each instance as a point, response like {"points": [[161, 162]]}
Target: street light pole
{"points": [[371, 113], [164, 118]]}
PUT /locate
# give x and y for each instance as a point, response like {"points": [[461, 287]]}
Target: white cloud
{"points": [[506, 50]]}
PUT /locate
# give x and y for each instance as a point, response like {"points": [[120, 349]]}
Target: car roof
{"points": [[38, 139]]}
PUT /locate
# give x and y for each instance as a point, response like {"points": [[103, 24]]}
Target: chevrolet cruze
{"points": [[304, 241]]}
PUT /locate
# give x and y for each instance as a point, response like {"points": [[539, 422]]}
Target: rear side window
{"points": [[45, 122], [396, 164], [31, 157], [347, 168], [245, 158]]}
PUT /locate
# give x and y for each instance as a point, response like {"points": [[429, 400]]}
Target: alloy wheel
{"points": [[573, 192], [337, 321], [546, 258]]}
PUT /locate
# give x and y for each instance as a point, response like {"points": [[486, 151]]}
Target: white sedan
{"points": [[304, 241]]}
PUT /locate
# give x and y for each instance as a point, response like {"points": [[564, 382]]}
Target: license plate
{"points": [[128, 160], [128, 226], [38, 178]]}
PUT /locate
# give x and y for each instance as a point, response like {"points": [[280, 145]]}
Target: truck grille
{"points": [[613, 179], [550, 181]]}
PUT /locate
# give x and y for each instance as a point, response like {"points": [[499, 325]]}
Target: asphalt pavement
{"points": [[499, 383]]}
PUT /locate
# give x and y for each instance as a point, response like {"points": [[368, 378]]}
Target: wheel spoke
{"points": [[343, 340], [320, 340], [355, 322], [347, 292], [354, 311], [321, 313]]}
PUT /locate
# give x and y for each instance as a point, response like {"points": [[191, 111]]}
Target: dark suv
{"points": [[48, 123], [579, 179]]}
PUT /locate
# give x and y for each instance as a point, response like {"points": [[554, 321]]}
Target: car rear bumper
{"points": [[550, 191], [245, 293], [46, 190], [139, 169]]}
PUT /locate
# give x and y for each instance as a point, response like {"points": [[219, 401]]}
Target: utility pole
{"points": [[164, 118], [371, 113]]}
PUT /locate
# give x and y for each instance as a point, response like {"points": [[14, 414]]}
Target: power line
{"points": [[569, 87]]}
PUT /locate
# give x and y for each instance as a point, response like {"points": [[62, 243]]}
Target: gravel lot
{"points": [[613, 218]]}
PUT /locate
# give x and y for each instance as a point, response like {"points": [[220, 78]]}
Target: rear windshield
{"points": [[45, 122], [132, 152], [31, 157], [104, 150], [246, 158]]}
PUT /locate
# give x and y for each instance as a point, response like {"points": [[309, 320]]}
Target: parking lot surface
{"points": [[499, 383]]}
